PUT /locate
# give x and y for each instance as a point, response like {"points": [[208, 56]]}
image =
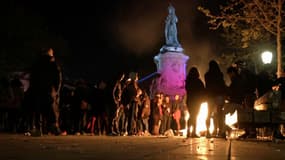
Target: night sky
{"points": [[101, 39]]}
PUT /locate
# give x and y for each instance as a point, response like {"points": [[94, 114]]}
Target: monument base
{"points": [[172, 69], [177, 49]]}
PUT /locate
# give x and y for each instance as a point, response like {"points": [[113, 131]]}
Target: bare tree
{"points": [[252, 19]]}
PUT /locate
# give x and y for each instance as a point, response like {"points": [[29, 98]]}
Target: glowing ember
{"points": [[235, 133], [201, 126]]}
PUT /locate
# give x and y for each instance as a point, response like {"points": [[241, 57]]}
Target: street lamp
{"points": [[266, 57]]}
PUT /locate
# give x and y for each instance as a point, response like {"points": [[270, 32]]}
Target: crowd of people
{"points": [[50, 106]]}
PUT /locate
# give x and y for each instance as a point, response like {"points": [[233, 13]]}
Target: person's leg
{"points": [[115, 122], [131, 120], [93, 120], [120, 121], [163, 124], [105, 124], [145, 124], [82, 123], [125, 121], [55, 109], [221, 122], [192, 124]]}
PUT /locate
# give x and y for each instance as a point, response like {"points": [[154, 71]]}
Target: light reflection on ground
{"points": [[129, 147]]}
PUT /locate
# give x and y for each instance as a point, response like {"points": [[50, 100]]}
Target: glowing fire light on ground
{"points": [[201, 127], [231, 119]]}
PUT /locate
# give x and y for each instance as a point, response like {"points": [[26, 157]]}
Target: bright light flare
{"points": [[266, 57]]}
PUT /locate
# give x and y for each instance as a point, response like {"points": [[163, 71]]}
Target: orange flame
{"points": [[212, 127], [231, 119], [201, 119]]}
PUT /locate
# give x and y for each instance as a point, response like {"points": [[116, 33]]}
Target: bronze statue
{"points": [[170, 28]]}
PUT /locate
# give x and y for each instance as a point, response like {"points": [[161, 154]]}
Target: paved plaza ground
{"points": [[20, 147]]}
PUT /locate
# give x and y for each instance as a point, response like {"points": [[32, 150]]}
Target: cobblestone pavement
{"points": [[16, 147]]}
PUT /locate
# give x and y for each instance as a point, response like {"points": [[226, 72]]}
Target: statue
{"points": [[170, 28], [171, 62]]}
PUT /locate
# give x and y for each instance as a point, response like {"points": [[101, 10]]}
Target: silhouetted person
{"points": [[129, 100], [145, 114], [264, 83], [248, 82], [80, 102], [215, 92], [118, 119], [45, 84], [195, 96], [166, 114], [235, 91], [101, 106]]}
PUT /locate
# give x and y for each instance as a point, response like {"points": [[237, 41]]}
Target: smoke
{"points": [[140, 26], [139, 36], [200, 55]]}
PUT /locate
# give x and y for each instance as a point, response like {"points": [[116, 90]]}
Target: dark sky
{"points": [[106, 38]]}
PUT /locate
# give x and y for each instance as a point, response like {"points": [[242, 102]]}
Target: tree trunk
{"points": [[278, 40]]}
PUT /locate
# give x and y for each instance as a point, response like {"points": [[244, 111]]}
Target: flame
{"points": [[231, 119], [186, 118], [191, 129], [201, 119], [235, 133], [212, 127]]}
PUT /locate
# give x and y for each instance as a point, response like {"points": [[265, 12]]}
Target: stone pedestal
{"points": [[170, 62], [172, 69]]}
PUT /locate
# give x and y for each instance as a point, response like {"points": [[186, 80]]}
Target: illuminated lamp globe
{"points": [[266, 57]]}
